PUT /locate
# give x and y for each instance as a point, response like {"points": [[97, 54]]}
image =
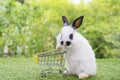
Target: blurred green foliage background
{"points": [[31, 27]]}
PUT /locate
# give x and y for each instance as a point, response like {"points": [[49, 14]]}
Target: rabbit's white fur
{"points": [[79, 57]]}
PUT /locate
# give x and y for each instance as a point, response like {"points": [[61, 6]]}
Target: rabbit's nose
{"points": [[62, 42], [68, 43]]}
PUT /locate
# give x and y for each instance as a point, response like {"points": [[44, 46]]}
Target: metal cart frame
{"points": [[51, 62]]}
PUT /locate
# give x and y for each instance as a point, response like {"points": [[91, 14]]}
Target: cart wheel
{"points": [[64, 75], [60, 71], [43, 75]]}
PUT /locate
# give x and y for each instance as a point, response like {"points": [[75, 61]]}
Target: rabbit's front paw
{"points": [[65, 72]]}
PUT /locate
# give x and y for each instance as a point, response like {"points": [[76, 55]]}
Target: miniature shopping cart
{"points": [[51, 62]]}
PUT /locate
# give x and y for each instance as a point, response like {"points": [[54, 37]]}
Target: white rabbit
{"points": [[79, 57]]}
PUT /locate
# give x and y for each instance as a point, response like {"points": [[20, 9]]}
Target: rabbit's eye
{"points": [[62, 42], [71, 36]]}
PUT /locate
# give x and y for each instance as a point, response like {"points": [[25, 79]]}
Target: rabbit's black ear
{"points": [[77, 22], [65, 21]]}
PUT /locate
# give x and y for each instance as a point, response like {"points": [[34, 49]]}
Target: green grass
{"points": [[25, 69]]}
